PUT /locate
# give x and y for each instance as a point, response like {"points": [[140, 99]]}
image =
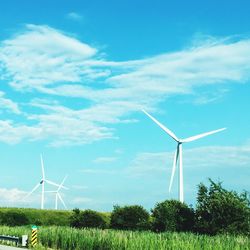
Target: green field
{"points": [[67, 238]]}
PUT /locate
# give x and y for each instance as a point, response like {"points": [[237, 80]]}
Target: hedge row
{"points": [[217, 211], [28, 216]]}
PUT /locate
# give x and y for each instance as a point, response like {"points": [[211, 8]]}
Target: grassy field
{"points": [[66, 238]]}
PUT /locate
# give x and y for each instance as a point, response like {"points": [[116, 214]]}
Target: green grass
{"points": [[66, 238]]}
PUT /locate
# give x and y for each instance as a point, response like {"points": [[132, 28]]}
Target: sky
{"points": [[75, 75]]}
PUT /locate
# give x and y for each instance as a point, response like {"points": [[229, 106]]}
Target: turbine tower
{"points": [[58, 195], [42, 182], [178, 152]]}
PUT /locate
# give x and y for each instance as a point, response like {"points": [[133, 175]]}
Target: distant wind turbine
{"points": [[42, 182], [178, 152], [58, 195]]}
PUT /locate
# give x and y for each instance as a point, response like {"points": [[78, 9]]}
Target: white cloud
{"points": [[13, 133], [207, 97], [42, 56], [105, 159], [180, 72], [98, 171], [53, 63], [196, 158], [79, 187], [74, 16], [8, 104], [13, 195], [80, 200], [65, 126]]}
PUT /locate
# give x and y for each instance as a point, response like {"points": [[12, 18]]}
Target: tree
{"points": [[172, 215], [87, 219], [221, 211], [75, 218], [130, 218]]}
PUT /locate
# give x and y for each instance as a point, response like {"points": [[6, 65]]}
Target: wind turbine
{"points": [[42, 182], [58, 196], [178, 152]]}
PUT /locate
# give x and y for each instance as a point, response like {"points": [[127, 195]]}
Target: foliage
{"points": [[13, 218], [221, 211], [172, 215], [130, 218], [39, 217], [88, 219], [217, 211], [66, 238]]}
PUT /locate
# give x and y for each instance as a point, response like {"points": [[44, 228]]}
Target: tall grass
{"points": [[66, 238]]}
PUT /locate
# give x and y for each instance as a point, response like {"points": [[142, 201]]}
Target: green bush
{"points": [[41, 217], [172, 215], [88, 219], [130, 218], [221, 211], [13, 218]]}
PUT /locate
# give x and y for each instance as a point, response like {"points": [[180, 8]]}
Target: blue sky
{"points": [[75, 75]]}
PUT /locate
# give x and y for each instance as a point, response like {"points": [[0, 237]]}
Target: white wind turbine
{"points": [[58, 195], [178, 152], [42, 182]]}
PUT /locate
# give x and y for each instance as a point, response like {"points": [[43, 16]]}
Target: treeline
{"points": [[217, 211]]}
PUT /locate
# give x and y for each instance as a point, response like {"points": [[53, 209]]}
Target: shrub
{"points": [[41, 217], [13, 218], [130, 218], [88, 219], [221, 211], [172, 215], [75, 218]]}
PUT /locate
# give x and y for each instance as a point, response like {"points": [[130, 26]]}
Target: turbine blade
{"points": [[60, 197], [32, 191], [50, 192], [61, 185], [196, 137], [176, 155], [55, 184], [43, 173], [168, 131], [52, 183], [66, 188]]}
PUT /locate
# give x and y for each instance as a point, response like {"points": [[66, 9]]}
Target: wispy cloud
{"points": [[98, 171], [52, 63], [43, 56], [8, 104], [205, 158], [79, 187], [81, 200], [13, 133], [105, 159], [74, 16], [9, 196]]}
